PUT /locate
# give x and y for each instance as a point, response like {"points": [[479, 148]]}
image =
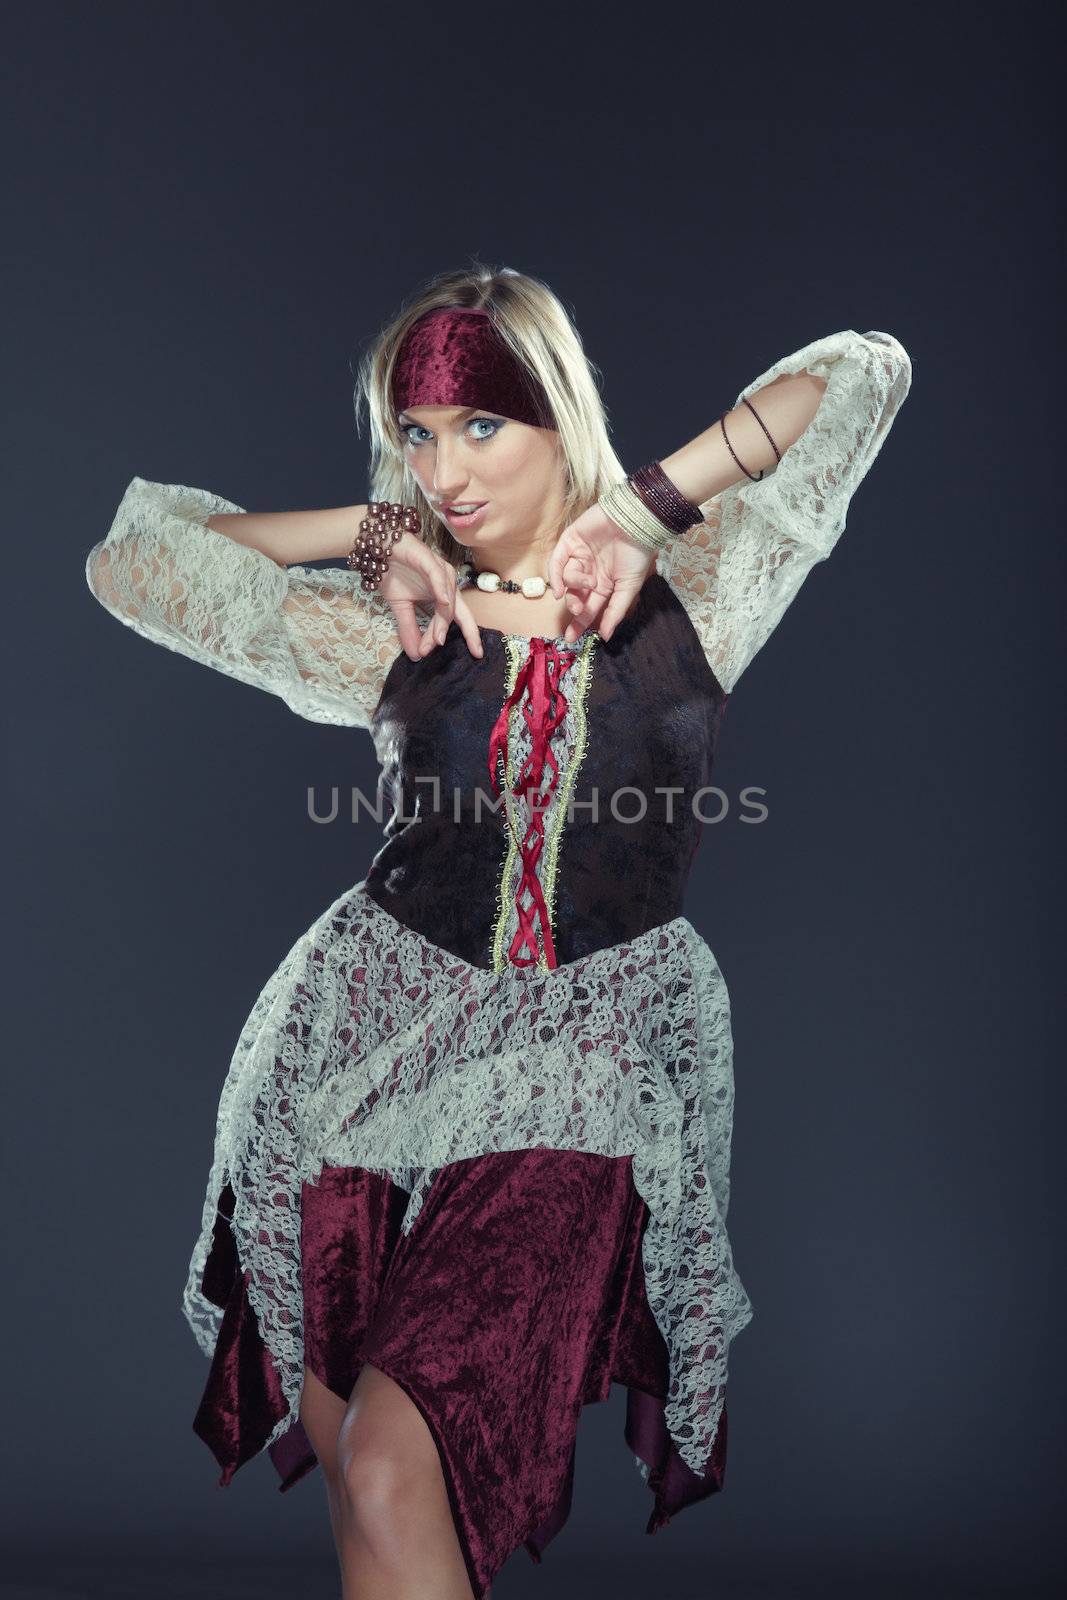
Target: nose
{"points": [[449, 476]]}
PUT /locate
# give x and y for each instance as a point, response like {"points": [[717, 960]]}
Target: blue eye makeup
{"points": [[493, 424]]}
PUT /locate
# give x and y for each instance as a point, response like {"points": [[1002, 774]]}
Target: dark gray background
{"points": [[213, 207]]}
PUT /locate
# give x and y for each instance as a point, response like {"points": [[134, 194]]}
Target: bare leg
{"points": [[322, 1412], [389, 1507]]}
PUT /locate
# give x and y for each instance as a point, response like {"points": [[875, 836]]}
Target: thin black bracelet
{"points": [[778, 454], [763, 425]]}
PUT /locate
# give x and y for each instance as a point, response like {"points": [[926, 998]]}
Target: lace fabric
{"points": [[738, 571], [316, 639], [372, 1047]]}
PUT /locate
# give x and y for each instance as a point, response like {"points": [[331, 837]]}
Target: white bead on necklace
{"points": [[492, 583]]}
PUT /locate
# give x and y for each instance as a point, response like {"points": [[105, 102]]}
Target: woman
{"points": [[472, 1156]]}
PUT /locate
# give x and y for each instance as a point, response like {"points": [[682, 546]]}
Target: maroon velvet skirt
{"points": [[516, 1298]]}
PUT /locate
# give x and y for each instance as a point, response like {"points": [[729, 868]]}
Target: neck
{"points": [[517, 556]]}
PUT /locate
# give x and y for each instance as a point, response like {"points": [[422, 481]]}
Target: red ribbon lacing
{"points": [[544, 710]]}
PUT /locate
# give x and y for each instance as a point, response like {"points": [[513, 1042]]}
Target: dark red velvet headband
{"points": [[454, 356]]}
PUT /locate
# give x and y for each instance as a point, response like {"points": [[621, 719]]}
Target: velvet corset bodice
{"points": [[614, 739]]}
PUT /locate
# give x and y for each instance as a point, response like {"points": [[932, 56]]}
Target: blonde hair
{"points": [[535, 325]]}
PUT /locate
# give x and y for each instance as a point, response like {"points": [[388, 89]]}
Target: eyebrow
{"points": [[468, 411]]}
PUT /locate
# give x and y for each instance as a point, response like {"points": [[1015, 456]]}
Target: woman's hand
{"points": [[600, 569], [418, 574]]}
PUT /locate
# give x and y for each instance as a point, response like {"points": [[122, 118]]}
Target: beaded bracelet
{"points": [[379, 530]]}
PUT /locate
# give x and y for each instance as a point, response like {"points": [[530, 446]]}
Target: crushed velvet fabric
{"points": [[499, 1346], [454, 356]]}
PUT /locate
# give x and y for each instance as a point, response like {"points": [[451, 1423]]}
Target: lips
{"points": [[465, 519]]}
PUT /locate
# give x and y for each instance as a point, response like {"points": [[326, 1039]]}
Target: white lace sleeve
{"points": [[738, 570], [312, 637]]}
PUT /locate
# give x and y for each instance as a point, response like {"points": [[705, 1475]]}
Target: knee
{"points": [[381, 1483], [371, 1477]]}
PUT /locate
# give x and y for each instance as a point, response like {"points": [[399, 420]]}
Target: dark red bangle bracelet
{"points": [[666, 502]]}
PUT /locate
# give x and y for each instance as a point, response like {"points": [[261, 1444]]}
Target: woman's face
{"points": [[514, 473]]}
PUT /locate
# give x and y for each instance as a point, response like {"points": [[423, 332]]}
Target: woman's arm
{"points": [[232, 601], [738, 570], [292, 537], [704, 467]]}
